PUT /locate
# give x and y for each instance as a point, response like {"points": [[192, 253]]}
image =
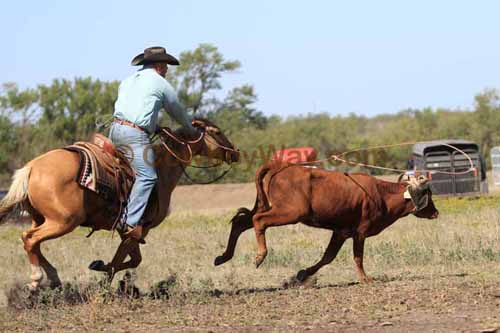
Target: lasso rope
{"points": [[339, 157]]}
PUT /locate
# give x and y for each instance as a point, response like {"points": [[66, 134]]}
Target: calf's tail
{"points": [[18, 192], [243, 216], [262, 200]]}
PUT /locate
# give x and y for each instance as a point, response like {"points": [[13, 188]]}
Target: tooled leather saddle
{"points": [[105, 171]]}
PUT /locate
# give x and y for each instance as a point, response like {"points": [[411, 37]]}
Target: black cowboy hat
{"points": [[154, 54]]}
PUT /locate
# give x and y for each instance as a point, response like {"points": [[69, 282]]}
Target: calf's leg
{"points": [[332, 249], [241, 222], [274, 217], [358, 245]]}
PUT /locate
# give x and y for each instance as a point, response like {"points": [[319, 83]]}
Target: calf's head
{"points": [[419, 192]]}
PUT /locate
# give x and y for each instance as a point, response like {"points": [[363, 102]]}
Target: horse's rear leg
{"points": [[49, 270], [32, 239]]}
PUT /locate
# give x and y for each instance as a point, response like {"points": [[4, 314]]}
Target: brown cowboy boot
{"points": [[135, 233]]}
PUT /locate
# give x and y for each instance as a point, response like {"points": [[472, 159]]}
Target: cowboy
{"points": [[140, 98]]}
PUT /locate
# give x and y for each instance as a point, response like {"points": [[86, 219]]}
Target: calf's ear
{"points": [[403, 178]]}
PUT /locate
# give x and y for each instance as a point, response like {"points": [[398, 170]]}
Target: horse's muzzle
{"points": [[233, 156]]}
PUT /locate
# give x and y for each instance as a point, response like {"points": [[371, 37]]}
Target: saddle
{"points": [[104, 170]]}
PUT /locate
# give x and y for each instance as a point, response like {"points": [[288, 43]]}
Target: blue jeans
{"points": [[136, 145]]}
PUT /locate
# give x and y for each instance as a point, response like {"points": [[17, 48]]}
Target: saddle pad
{"points": [[89, 176]]}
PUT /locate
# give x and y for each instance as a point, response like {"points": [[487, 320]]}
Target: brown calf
{"points": [[351, 205]]}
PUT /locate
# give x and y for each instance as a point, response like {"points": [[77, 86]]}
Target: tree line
{"points": [[37, 119]]}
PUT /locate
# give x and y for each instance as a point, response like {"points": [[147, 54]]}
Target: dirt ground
{"points": [[445, 303], [452, 303]]}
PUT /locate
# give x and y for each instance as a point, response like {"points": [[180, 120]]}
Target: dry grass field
{"points": [[441, 275]]}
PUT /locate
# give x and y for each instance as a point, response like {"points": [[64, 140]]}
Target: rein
{"points": [[190, 154], [194, 181]]}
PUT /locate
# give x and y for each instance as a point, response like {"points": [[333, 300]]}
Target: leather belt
{"points": [[130, 124]]}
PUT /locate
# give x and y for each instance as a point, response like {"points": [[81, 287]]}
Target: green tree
{"points": [[8, 145], [487, 119], [198, 77], [237, 111], [21, 109], [71, 109]]}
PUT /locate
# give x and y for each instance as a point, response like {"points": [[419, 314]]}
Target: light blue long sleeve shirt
{"points": [[142, 95]]}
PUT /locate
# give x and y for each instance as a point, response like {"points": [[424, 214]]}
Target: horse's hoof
{"points": [[98, 265], [219, 260], [302, 276], [56, 285]]}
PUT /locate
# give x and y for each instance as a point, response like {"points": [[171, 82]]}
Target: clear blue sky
{"points": [[367, 57]]}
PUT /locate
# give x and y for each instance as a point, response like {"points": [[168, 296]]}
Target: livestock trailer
{"points": [[495, 164], [428, 158]]}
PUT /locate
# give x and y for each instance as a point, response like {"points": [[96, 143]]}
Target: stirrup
{"points": [[122, 227]]}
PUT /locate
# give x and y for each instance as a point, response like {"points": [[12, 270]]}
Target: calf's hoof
{"points": [[98, 265], [259, 260], [367, 280], [220, 260], [302, 275]]}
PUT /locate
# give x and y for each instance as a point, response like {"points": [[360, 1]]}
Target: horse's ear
{"points": [[212, 129], [198, 123]]}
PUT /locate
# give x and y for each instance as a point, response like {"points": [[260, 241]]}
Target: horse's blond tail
{"points": [[18, 192]]}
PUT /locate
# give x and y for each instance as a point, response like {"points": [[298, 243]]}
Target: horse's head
{"points": [[215, 143]]}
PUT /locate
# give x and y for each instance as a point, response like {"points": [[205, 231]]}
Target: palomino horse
{"points": [[47, 189]]}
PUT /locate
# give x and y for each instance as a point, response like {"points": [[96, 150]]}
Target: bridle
{"points": [[188, 161], [184, 143]]}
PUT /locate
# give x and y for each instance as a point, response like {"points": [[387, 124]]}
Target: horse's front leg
{"points": [[133, 251], [127, 247]]}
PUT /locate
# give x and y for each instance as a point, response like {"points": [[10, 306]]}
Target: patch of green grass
{"points": [[457, 205]]}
